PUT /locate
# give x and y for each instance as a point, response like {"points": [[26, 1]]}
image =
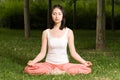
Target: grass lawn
{"points": [[15, 51]]}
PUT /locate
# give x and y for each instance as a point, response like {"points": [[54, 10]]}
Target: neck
{"points": [[57, 26]]}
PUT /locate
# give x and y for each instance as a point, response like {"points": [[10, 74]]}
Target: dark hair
{"points": [[63, 19]]}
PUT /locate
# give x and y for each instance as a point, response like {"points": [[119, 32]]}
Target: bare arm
{"points": [[42, 53], [73, 52]]}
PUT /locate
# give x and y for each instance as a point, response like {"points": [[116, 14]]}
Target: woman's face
{"points": [[57, 15]]}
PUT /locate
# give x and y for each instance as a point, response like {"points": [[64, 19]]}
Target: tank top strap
{"points": [[48, 32], [67, 29]]}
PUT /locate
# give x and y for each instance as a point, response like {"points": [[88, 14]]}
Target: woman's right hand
{"points": [[30, 63]]}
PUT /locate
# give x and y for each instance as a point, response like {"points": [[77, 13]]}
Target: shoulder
{"points": [[45, 32], [70, 31]]}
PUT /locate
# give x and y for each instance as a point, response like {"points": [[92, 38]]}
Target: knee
{"points": [[26, 70]]}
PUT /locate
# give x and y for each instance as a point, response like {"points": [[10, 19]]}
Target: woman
{"points": [[56, 39]]}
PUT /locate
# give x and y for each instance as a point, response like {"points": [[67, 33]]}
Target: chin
{"points": [[57, 22]]}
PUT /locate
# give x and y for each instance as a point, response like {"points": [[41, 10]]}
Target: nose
{"points": [[57, 15]]}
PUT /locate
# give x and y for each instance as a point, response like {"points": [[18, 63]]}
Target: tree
{"points": [[74, 11], [112, 15], [49, 8], [74, 14], [100, 30], [26, 19]]}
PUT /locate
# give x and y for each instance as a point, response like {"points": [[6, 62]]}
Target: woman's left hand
{"points": [[88, 63]]}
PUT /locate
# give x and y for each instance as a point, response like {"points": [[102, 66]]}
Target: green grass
{"points": [[15, 51]]}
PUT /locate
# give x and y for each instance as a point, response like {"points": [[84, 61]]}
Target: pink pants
{"points": [[45, 68]]}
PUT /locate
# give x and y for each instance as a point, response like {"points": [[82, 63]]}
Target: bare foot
{"points": [[57, 71]]}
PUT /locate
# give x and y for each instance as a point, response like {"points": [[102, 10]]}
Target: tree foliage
{"points": [[11, 13]]}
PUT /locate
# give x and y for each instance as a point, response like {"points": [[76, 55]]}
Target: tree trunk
{"points": [[74, 15], [49, 8], [26, 19], [100, 30], [112, 22]]}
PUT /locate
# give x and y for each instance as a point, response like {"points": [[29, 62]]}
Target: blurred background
{"points": [[12, 13]]}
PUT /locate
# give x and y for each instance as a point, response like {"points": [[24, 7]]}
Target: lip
{"points": [[57, 19]]}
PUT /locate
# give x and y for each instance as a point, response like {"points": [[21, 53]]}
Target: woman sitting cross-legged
{"points": [[56, 38]]}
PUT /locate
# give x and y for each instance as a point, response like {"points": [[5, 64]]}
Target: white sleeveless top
{"points": [[57, 49]]}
